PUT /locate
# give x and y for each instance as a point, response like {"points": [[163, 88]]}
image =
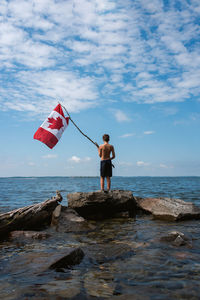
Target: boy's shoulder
{"points": [[106, 145]]}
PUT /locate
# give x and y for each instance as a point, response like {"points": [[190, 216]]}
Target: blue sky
{"points": [[127, 68]]}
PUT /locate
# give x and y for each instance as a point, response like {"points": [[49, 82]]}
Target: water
{"points": [[157, 270]]}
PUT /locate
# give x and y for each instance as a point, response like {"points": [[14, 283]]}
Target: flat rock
{"points": [[102, 205], [168, 209]]}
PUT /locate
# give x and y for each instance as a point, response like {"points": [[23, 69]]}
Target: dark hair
{"points": [[106, 138]]}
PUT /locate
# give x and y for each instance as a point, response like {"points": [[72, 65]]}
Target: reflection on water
{"points": [[154, 269]]}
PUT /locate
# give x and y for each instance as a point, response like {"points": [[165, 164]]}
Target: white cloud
{"points": [[50, 156], [120, 116], [126, 135], [164, 166], [87, 159], [167, 111], [125, 164], [142, 163], [32, 164], [50, 86], [148, 132], [77, 159], [147, 51]]}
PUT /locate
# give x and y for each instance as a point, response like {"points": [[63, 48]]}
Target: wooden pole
{"points": [[79, 128]]}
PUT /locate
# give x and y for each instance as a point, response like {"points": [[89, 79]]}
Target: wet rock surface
{"points": [[102, 205], [99, 284], [33, 217], [67, 259], [70, 221], [100, 254], [118, 258], [168, 209], [177, 238], [38, 235], [42, 261]]}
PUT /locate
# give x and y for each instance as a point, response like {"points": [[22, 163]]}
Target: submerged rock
{"points": [[99, 284], [71, 257], [39, 235], [168, 209], [61, 289], [38, 262], [70, 221], [102, 253], [171, 236], [102, 205], [176, 238]]}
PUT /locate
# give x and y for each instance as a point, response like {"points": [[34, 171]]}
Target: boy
{"points": [[105, 152]]}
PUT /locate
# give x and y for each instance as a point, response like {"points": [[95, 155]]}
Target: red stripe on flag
{"points": [[58, 108], [45, 137]]}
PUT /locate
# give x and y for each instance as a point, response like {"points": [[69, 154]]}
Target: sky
{"points": [[130, 69]]}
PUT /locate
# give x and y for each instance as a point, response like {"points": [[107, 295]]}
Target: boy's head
{"points": [[106, 138]]}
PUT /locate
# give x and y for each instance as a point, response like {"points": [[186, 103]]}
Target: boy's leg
{"points": [[102, 183], [108, 183]]}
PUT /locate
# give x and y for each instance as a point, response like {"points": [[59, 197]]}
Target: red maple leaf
{"points": [[55, 123]]}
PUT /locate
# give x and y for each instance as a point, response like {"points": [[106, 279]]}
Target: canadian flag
{"points": [[52, 128]]}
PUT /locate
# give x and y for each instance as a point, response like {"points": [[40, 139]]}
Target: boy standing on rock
{"points": [[105, 152]]}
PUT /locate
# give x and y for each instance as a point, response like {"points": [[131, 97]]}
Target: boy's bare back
{"points": [[105, 151]]}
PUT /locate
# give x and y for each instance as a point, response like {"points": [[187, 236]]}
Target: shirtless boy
{"points": [[105, 152]]}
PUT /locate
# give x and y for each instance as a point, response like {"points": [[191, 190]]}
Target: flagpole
{"points": [[78, 127]]}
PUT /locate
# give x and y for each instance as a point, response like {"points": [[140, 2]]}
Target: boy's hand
{"points": [[97, 145]]}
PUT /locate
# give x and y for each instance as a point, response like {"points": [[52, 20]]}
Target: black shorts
{"points": [[106, 168]]}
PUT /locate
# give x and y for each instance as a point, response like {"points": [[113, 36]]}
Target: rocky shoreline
{"points": [[46, 219], [45, 230]]}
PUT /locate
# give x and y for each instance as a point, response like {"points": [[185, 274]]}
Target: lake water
{"points": [[157, 270]]}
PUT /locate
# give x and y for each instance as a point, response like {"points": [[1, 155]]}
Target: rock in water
{"points": [[168, 209], [33, 217], [37, 262], [73, 257], [172, 235], [38, 235], [102, 205], [177, 239], [70, 221], [103, 253]]}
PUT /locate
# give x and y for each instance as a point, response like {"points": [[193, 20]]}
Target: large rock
{"points": [[32, 217], [70, 221], [102, 205], [168, 209]]}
